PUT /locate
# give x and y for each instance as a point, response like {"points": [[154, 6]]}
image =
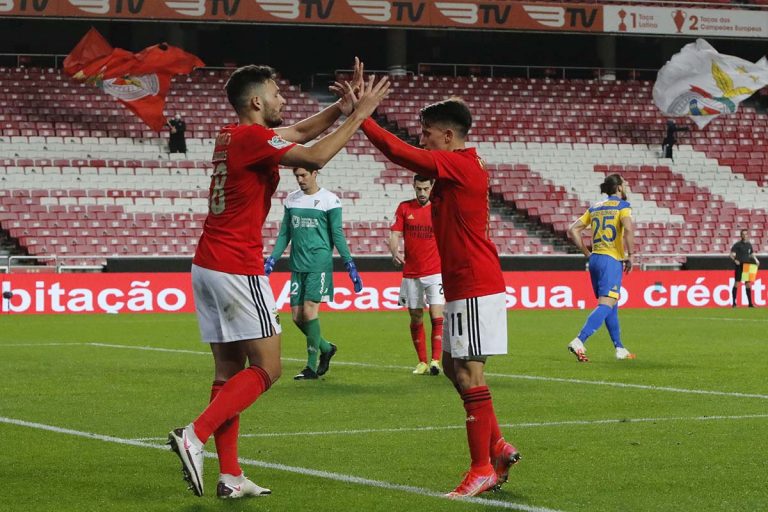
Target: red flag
{"points": [[139, 81]]}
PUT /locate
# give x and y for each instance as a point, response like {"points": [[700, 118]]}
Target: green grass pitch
{"points": [[87, 400]]}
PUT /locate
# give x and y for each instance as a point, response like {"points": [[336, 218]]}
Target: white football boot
{"points": [[576, 347], [623, 353], [188, 447], [233, 487]]}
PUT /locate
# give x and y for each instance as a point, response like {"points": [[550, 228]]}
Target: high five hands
{"points": [[360, 95]]}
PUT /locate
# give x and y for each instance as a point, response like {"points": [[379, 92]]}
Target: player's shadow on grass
{"points": [[507, 493]]}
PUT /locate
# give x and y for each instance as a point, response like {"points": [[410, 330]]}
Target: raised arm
{"points": [[414, 159], [308, 129], [317, 155], [311, 127]]}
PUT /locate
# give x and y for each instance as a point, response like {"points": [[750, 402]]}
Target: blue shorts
{"points": [[606, 273]]}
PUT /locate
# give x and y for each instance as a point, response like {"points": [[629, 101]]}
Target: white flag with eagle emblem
{"points": [[702, 84]]}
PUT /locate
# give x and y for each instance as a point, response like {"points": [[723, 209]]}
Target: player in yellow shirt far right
{"points": [[611, 224]]}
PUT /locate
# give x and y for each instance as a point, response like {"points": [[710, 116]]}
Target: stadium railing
{"points": [[556, 72]]}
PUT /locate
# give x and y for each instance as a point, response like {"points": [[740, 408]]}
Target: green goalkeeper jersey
{"points": [[312, 225]]}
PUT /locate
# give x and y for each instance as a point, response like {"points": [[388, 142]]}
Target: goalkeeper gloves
{"points": [[354, 276], [269, 265]]}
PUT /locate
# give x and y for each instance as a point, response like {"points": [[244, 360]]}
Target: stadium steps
{"points": [[544, 236], [9, 246], [509, 215], [392, 126]]}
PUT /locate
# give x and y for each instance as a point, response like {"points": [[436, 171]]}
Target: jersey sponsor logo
{"points": [[278, 142], [304, 222], [410, 216], [317, 202]]}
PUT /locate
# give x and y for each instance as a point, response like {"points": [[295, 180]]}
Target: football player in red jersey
{"points": [[475, 293], [421, 272], [234, 303]]}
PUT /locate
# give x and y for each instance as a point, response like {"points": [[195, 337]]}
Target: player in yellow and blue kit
{"points": [[611, 224]]}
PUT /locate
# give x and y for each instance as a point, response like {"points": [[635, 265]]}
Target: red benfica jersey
{"points": [[415, 222], [245, 176], [460, 216]]}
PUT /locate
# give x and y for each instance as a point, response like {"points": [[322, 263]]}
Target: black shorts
{"points": [[737, 275]]}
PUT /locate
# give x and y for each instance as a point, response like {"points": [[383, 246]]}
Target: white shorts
{"points": [[476, 327], [413, 290], [232, 307]]}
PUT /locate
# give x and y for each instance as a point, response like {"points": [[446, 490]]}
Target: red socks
{"points": [[495, 431], [419, 340], [226, 439], [234, 397], [479, 407], [437, 338]]}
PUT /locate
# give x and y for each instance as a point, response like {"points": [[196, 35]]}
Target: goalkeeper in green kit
{"points": [[312, 225]]}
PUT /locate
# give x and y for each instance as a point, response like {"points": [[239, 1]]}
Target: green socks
{"points": [[315, 342], [312, 330]]}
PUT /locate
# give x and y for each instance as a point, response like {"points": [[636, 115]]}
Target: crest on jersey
{"points": [[278, 142]]}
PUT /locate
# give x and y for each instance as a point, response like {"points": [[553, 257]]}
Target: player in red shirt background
{"points": [[233, 300], [421, 272], [475, 311]]}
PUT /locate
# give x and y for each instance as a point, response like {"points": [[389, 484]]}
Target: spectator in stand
{"points": [[741, 254], [177, 142], [671, 139]]}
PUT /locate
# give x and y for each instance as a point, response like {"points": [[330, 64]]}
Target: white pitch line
{"points": [[717, 318], [610, 421], [75, 343], [339, 477], [501, 375], [631, 386]]}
